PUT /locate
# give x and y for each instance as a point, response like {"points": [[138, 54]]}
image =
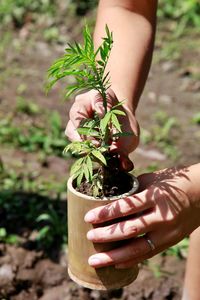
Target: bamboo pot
{"points": [[80, 249]]}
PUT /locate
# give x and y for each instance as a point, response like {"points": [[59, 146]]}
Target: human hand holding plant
{"points": [[86, 104]]}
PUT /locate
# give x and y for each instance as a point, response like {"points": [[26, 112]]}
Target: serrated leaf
{"points": [[97, 154], [115, 122]]}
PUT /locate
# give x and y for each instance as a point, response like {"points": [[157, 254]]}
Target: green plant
{"points": [[179, 250], [161, 134], [26, 106], [185, 13], [53, 227], [8, 238], [88, 67], [36, 137]]}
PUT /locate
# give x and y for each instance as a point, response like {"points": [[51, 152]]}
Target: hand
{"points": [[164, 209], [84, 107]]}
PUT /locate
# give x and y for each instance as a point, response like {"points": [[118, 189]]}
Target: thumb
{"points": [[98, 105], [125, 163]]}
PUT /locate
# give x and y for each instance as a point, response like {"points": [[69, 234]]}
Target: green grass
{"points": [[48, 138], [160, 134]]}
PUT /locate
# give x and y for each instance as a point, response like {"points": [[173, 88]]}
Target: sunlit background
{"points": [[33, 170]]}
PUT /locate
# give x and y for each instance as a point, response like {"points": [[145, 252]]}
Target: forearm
{"points": [[133, 25]]}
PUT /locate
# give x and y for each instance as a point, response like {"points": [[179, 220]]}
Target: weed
{"points": [[196, 118], [17, 11], [8, 238], [160, 134], [179, 250], [51, 34], [26, 106], [48, 138], [185, 13]]}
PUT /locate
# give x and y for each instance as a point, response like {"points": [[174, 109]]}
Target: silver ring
{"points": [[150, 243]]}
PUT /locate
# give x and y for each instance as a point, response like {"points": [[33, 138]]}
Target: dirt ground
{"points": [[173, 88]]}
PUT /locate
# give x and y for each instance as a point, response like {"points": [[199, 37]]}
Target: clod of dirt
{"points": [[49, 274], [6, 278]]}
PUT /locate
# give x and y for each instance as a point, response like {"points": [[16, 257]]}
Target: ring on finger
{"points": [[150, 243]]}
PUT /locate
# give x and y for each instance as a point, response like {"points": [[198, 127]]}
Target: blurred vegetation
{"points": [[185, 13], [21, 11], [47, 138]]}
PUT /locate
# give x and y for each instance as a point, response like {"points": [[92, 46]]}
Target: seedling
{"points": [[88, 67]]}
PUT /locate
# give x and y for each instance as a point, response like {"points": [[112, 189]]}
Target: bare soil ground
{"points": [[27, 272]]}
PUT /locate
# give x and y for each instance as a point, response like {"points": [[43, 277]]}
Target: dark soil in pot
{"points": [[115, 181]]}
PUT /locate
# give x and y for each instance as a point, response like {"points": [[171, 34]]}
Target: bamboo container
{"points": [[80, 249]]}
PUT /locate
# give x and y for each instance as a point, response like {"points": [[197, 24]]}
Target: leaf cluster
{"points": [[86, 65]]}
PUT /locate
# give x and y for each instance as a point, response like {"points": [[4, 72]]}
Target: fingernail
{"points": [[94, 261], [89, 217], [90, 235]]}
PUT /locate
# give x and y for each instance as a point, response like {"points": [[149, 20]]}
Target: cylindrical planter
{"points": [[80, 249]]}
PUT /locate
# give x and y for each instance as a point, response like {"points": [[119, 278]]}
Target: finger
{"points": [[133, 262], [121, 230], [126, 163], [71, 132], [129, 252], [81, 109], [119, 208], [161, 241], [98, 105]]}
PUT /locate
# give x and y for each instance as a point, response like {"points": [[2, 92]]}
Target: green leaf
{"points": [[101, 63], [115, 122], [118, 112], [104, 122], [3, 232], [80, 178], [76, 166], [90, 166], [86, 172], [120, 103], [43, 217], [121, 134], [88, 131], [97, 154]]}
